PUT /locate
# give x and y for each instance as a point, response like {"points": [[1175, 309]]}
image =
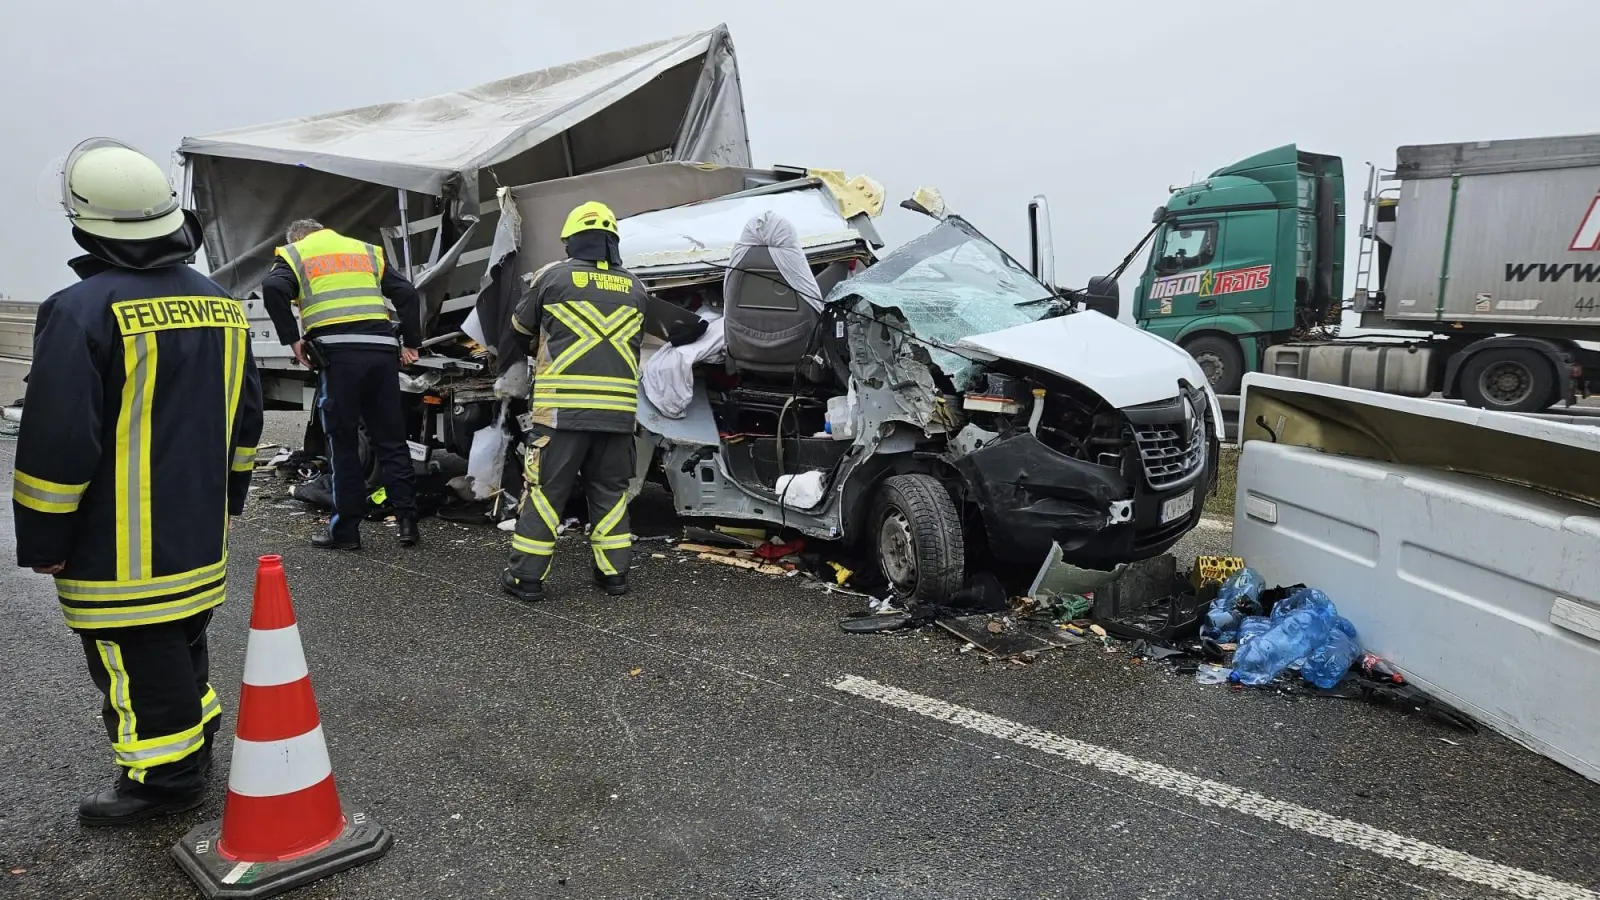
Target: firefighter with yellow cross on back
{"points": [[143, 414], [584, 316]]}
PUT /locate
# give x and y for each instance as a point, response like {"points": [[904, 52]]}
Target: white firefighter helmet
{"points": [[111, 190]]}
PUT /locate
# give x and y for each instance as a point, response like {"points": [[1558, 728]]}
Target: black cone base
{"points": [[217, 876]]}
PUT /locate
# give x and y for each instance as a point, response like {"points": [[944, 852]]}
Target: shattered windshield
{"points": [[951, 283]]}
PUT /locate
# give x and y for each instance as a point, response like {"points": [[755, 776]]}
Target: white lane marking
{"points": [[273, 657], [1423, 855], [275, 768]]}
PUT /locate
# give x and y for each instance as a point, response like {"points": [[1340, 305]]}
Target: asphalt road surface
{"points": [[714, 734]]}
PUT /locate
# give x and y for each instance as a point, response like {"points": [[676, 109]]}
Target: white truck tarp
{"points": [[678, 99]]}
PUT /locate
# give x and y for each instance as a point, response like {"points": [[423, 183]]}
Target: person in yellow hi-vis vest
{"points": [[584, 316], [350, 301]]}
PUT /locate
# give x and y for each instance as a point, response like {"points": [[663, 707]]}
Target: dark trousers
{"points": [[555, 464], [160, 711], [360, 385]]}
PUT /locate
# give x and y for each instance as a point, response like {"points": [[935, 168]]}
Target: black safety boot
{"points": [[326, 541], [111, 807], [409, 535], [525, 589], [615, 585]]}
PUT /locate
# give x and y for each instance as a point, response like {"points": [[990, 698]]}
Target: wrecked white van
{"points": [[941, 408]]}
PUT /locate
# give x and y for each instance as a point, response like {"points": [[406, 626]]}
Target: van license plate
{"points": [[1177, 507]]}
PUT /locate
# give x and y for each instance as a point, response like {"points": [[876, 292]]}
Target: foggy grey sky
{"points": [[1100, 105]]}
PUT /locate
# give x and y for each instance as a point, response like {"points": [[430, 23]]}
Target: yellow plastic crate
{"points": [[1213, 570]]}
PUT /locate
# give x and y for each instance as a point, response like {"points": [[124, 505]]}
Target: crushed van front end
{"points": [[1117, 486]]}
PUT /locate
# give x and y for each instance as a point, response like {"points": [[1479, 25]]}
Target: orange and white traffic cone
{"points": [[282, 825]]}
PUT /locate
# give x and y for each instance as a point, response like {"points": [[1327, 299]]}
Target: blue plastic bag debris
{"points": [[1239, 596], [1253, 627], [1327, 665], [1305, 630]]}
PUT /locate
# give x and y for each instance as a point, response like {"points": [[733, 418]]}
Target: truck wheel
{"points": [[1220, 359], [917, 538], [1508, 380]]}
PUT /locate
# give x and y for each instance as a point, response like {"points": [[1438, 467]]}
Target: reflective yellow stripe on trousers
{"points": [[532, 547], [601, 539], [140, 755], [117, 694]]}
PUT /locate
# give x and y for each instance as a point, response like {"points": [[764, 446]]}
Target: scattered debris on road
{"points": [[1007, 636]]}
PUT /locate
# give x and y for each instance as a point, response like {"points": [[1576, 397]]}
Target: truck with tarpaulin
{"points": [[419, 177]]}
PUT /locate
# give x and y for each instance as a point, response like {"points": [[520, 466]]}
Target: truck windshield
{"points": [[951, 283]]}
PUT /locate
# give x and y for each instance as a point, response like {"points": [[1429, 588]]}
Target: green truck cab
{"points": [[1251, 256]]}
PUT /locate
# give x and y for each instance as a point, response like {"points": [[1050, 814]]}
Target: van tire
{"points": [[916, 538], [1508, 379], [1222, 360]]}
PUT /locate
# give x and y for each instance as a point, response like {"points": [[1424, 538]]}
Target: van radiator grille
{"points": [[1168, 456]]}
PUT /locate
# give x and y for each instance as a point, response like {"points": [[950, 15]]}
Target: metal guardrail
{"points": [[16, 330], [1572, 415]]}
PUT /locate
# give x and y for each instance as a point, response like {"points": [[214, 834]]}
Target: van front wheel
{"points": [[916, 536]]}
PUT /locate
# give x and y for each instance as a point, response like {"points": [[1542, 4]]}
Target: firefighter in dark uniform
{"points": [[584, 315], [349, 301], [143, 414]]}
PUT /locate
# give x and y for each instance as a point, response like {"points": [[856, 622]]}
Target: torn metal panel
{"points": [[702, 486], [893, 376]]}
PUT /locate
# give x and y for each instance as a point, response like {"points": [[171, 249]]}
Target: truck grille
{"points": [[1168, 457]]}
